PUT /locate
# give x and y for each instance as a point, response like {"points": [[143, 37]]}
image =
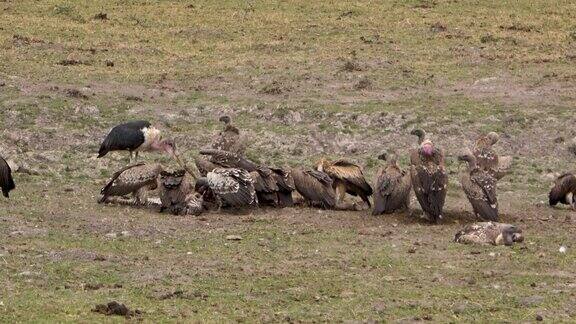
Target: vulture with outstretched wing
{"points": [[393, 185], [489, 233], [225, 159], [6, 180], [480, 188], [132, 179], [347, 177], [563, 191], [429, 177]]}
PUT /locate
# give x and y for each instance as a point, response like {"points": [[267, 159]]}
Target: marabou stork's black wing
{"points": [[6, 181], [127, 136]]}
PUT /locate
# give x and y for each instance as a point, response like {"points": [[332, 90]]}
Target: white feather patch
{"points": [[151, 135]]}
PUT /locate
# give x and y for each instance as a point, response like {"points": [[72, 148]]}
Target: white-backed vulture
{"points": [[393, 185], [480, 188], [489, 233], [6, 180], [429, 177], [231, 187], [132, 180], [563, 191], [347, 177]]}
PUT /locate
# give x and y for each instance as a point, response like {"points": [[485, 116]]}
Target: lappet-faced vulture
{"points": [[232, 187], [6, 180], [347, 177], [133, 179], [229, 139], [564, 191], [489, 233], [480, 188], [393, 185], [136, 136], [429, 177]]}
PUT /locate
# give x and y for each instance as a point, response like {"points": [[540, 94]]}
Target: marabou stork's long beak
{"points": [[184, 166]]}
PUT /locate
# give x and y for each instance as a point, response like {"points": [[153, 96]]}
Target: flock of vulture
{"points": [[222, 177]]}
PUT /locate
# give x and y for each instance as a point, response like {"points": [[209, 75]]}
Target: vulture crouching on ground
{"points": [[133, 179], [177, 194], [489, 233], [429, 177], [6, 180], [230, 187], [563, 191], [392, 189], [347, 177], [136, 136], [480, 188]]}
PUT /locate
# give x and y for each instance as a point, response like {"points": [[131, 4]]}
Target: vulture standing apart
{"points": [[177, 193], [487, 159], [392, 190], [480, 188], [563, 191], [6, 181], [132, 179], [136, 136], [231, 187], [229, 138], [347, 177], [489, 233], [315, 186], [428, 175]]}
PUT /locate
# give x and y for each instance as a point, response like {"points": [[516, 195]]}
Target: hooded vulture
{"points": [[133, 179], [392, 190], [480, 188], [229, 138], [176, 192], [6, 181], [231, 187], [489, 233], [315, 186], [563, 191], [429, 177], [347, 177]]}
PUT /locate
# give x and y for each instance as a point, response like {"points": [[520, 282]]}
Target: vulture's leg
{"points": [[341, 191]]}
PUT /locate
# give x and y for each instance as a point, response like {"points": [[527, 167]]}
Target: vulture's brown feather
{"points": [[392, 190], [175, 190], [6, 180], [315, 187], [429, 178], [480, 188], [563, 191], [347, 178], [131, 179]]}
